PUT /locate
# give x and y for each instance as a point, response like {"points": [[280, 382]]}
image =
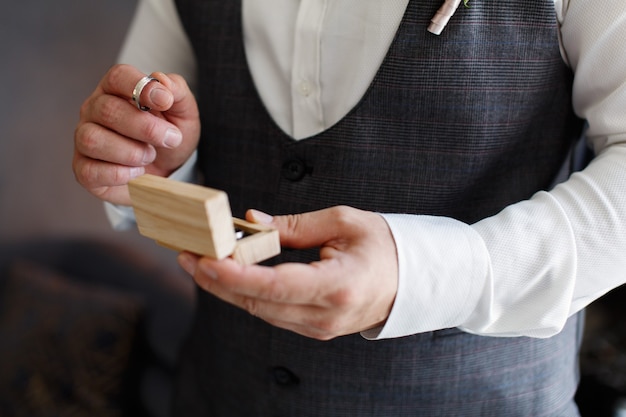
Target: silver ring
{"points": [[139, 88]]}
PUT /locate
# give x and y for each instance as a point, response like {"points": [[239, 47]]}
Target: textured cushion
{"points": [[65, 346]]}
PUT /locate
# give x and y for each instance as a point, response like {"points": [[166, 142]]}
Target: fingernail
{"points": [[149, 155], [260, 217], [136, 172], [160, 97], [173, 138], [207, 270]]}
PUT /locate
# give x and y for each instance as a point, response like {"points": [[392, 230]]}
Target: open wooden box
{"points": [[189, 217]]}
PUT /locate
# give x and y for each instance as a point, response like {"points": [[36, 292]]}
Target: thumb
{"points": [[299, 231], [157, 96], [172, 95]]}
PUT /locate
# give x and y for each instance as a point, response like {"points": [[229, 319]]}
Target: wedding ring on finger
{"points": [[141, 84]]}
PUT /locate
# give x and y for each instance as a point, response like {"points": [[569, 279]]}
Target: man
{"points": [[424, 168]]}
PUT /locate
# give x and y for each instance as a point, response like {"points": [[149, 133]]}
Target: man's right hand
{"points": [[115, 141]]}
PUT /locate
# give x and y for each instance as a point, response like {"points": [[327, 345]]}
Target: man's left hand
{"points": [[350, 289]]}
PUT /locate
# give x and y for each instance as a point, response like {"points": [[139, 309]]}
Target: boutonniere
{"points": [[443, 15]]}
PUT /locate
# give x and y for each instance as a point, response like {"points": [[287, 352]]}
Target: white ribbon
{"points": [[443, 15]]}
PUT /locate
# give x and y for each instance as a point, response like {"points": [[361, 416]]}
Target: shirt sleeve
{"points": [[524, 271], [156, 41]]}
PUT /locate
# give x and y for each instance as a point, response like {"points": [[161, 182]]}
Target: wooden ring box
{"points": [[190, 217]]}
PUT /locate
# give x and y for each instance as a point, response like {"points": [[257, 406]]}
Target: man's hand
{"points": [[351, 288], [115, 141]]}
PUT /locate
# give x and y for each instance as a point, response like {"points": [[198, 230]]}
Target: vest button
{"points": [[294, 170], [284, 377]]}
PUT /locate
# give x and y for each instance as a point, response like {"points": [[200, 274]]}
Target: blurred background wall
{"points": [[52, 55]]}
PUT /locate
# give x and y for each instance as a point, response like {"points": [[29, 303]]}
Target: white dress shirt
{"points": [[523, 271]]}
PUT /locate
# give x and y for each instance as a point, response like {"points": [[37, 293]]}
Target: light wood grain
{"points": [[189, 217], [261, 243]]}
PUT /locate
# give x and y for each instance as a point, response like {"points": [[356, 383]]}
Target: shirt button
{"points": [[294, 170], [304, 88], [284, 377]]}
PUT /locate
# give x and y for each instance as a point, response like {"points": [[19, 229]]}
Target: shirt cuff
{"points": [[442, 264]]}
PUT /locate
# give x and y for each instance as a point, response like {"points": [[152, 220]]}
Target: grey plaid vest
{"points": [[458, 125]]}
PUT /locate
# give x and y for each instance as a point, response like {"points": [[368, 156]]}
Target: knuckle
{"points": [[120, 176], [108, 110], [325, 325], [342, 298], [136, 156], [251, 305], [116, 73], [150, 130], [327, 329], [292, 221], [87, 175], [87, 140], [344, 214], [324, 337], [79, 132], [93, 175], [276, 291]]}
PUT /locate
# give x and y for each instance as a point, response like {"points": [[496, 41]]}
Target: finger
{"points": [[312, 229], [184, 104], [116, 114], [305, 329], [307, 319], [93, 174], [96, 142], [293, 283], [171, 93], [121, 80], [313, 322]]}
